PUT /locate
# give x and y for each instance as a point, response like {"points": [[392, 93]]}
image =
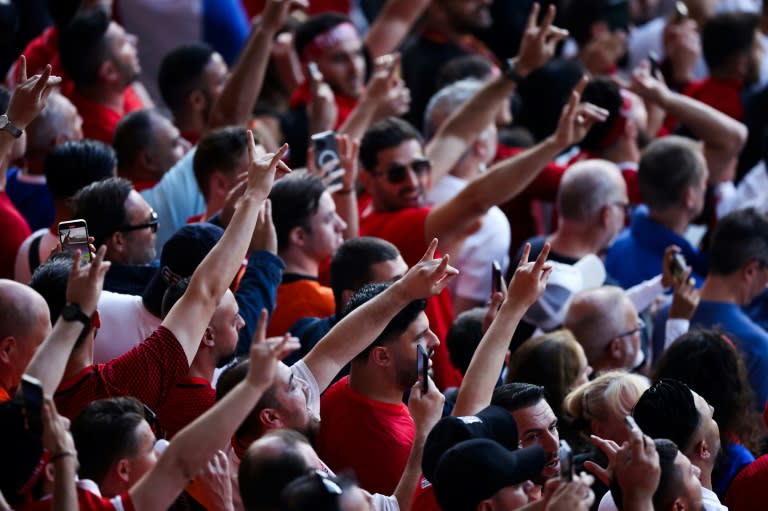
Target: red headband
{"points": [[322, 42], [617, 130]]}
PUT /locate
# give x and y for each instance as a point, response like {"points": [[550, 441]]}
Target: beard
{"points": [[310, 430]]}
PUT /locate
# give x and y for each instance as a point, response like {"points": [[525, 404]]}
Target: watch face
{"points": [[4, 121]]}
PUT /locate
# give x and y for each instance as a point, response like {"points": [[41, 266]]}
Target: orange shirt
{"points": [[299, 296]]}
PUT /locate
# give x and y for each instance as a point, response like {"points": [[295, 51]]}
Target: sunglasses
{"points": [[397, 172], [153, 422], [330, 486], [153, 224]]}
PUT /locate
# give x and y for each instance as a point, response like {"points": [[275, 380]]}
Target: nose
{"points": [[550, 442], [340, 224], [240, 322], [133, 39], [432, 340]]}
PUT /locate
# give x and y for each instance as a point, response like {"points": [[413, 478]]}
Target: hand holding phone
{"points": [[327, 155], [73, 236], [497, 279], [422, 367], [653, 58], [677, 265]]}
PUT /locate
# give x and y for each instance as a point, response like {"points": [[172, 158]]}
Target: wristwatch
{"points": [[510, 71], [73, 312], [7, 125]]}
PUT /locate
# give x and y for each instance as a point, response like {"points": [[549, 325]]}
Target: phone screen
{"points": [[74, 237], [327, 154], [422, 367], [566, 461], [32, 391], [497, 282], [677, 264]]}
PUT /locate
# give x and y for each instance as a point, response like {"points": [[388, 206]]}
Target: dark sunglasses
{"points": [[397, 172], [330, 486], [153, 224]]}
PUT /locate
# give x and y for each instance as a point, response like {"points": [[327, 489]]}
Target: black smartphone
{"points": [[32, 394], [677, 265], [73, 236], [422, 367], [327, 153], [567, 469], [653, 58], [497, 279]]}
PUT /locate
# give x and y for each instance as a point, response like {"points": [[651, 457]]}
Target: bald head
{"points": [[588, 186], [24, 324], [600, 319]]}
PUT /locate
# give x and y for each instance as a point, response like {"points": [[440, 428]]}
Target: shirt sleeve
{"points": [[673, 329], [643, 294], [258, 290], [301, 370], [385, 503]]}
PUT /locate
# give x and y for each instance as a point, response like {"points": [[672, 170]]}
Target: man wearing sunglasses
{"points": [[118, 217]]}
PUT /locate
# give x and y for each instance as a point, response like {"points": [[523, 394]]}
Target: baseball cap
{"points": [[475, 470], [23, 457], [548, 312], [180, 257], [492, 422]]}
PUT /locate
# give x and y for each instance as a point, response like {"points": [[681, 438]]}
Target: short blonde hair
{"points": [[614, 392]]}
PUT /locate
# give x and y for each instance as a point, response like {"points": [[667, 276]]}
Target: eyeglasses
{"points": [[330, 486], [397, 172], [639, 328], [154, 423], [626, 206], [153, 224]]}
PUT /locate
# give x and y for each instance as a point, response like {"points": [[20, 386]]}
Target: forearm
{"points": [[234, 104], [360, 119], [484, 369], [193, 446], [64, 488], [465, 125], [355, 332], [392, 25], [50, 359], [406, 487]]}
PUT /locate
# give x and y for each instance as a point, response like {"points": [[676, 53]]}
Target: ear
{"points": [[702, 450], [380, 356], [749, 270], [208, 337], [7, 345], [485, 505], [146, 160], [296, 236], [108, 71], [123, 469], [60, 139], [197, 100], [678, 505], [270, 418], [604, 215], [616, 349], [630, 129], [49, 472]]}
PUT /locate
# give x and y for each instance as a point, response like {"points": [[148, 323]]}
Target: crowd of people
{"points": [[414, 255]]}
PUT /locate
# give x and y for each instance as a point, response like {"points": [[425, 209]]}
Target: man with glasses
{"points": [[118, 217], [606, 324], [738, 273]]}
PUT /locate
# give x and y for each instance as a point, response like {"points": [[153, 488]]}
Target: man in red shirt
{"points": [[101, 58]]}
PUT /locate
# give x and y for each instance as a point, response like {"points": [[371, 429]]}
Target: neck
{"points": [[575, 239], [34, 165], [675, 219], [705, 470], [624, 150], [433, 23], [720, 288], [103, 94], [373, 384], [298, 262], [189, 122], [63, 212]]}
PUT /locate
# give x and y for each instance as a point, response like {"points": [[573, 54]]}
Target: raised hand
{"points": [[264, 234], [426, 408], [539, 43], [530, 278], [276, 12], [650, 88], [263, 170], [686, 297], [56, 436], [387, 88], [266, 353], [30, 96], [429, 276], [609, 448], [85, 282], [212, 486], [322, 111], [637, 467], [573, 495], [577, 118]]}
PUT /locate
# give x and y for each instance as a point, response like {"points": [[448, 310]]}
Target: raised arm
{"points": [[361, 327], [392, 25], [189, 317], [528, 283], [234, 104], [83, 288], [194, 445], [465, 124], [723, 136], [508, 178]]}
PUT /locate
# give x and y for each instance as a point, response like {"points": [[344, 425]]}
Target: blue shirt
{"points": [[746, 335], [257, 290], [30, 195], [638, 252]]}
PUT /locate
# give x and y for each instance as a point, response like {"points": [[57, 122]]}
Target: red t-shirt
{"points": [[370, 437], [13, 231], [722, 94], [298, 298], [99, 121], [190, 398], [148, 372], [88, 501], [405, 230], [424, 497]]}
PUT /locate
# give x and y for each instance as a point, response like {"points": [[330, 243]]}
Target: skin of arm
{"points": [[526, 286], [194, 445], [359, 328], [190, 315], [392, 25]]}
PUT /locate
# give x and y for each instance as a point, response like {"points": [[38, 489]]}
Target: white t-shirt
{"points": [[125, 323], [708, 499], [49, 241]]}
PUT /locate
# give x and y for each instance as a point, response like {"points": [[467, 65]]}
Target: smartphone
{"points": [[567, 470], [681, 11], [631, 422], [73, 236], [653, 58], [314, 72], [32, 394], [327, 153], [497, 279], [422, 367], [677, 265]]}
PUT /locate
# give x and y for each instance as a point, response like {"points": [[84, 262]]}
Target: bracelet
{"points": [[62, 454]]}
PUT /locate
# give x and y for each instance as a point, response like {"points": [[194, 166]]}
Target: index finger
{"points": [[543, 255], [430, 253], [549, 18], [525, 256], [261, 328], [22, 69], [42, 80], [533, 16]]}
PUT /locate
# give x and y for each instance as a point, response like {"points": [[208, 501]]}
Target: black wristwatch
{"points": [[7, 125], [73, 312], [510, 71]]}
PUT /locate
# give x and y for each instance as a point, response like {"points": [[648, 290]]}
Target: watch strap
{"points": [[7, 125]]}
